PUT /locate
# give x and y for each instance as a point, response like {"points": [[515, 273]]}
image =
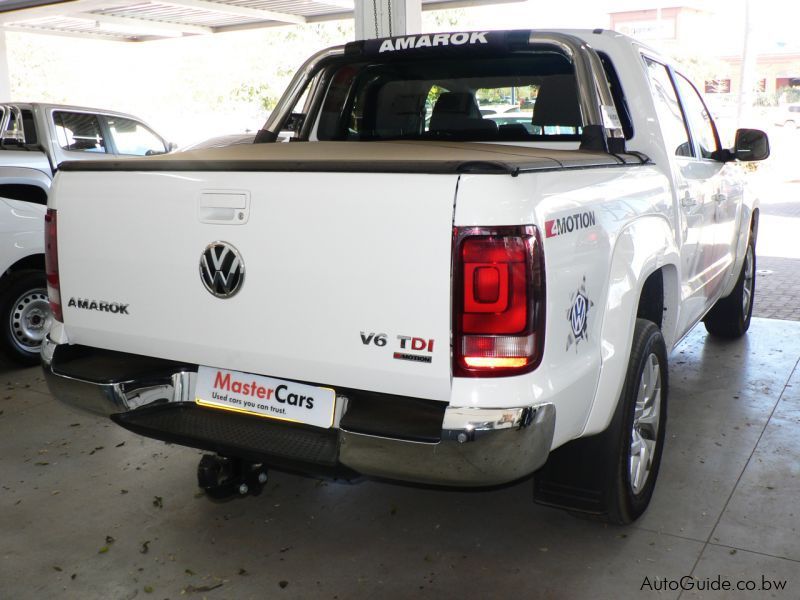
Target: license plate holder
{"points": [[264, 396]]}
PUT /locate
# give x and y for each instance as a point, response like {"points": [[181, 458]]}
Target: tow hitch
{"points": [[222, 477]]}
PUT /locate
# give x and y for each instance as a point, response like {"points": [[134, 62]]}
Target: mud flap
{"points": [[575, 476]]}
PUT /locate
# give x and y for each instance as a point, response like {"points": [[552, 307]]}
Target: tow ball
{"points": [[222, 477]]}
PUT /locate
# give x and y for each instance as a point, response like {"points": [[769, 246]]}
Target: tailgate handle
{"points": [[222, 207]]}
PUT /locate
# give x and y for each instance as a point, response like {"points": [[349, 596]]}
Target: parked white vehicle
{"points": [[446, 300], [24, 309], [34, 139], [788, 116]]}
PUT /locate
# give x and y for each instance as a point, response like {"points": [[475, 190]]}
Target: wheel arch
{"points": [[748, 226], [644, 266], [25, 184], [33, 262]]}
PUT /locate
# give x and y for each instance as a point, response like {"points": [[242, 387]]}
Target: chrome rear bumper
{"points": [[476, 447]]}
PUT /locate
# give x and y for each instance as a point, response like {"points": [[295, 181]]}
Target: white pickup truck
{"points": [[410, 289]]}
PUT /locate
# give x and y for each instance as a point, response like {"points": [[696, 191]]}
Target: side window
{"points": [[668, 109], [79, 131], [29, 127], [132, 138], [699, 120], [329, 124]]}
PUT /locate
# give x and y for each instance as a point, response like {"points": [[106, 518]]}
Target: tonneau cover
{"points": [[371, 157]]}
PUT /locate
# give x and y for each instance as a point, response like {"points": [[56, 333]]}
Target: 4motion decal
{"points": [[569, 223]]}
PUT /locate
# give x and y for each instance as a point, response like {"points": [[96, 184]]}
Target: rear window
{"points": [[527, 97]]}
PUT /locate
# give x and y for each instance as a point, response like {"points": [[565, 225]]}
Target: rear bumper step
{"points": [[231, 434], [380, 435]]}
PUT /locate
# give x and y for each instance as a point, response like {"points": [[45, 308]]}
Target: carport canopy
{"points": [[144, 20]]}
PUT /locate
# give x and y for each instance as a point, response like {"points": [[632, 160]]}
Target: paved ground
{"points": [[89, 511], [778, 288], [778, 256], [777, 184]]}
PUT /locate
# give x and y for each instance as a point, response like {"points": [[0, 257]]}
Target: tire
{"points": [[730, 317], [636, 436], [25, 316]]}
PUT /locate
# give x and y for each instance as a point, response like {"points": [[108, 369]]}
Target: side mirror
{"points": [[171, 146], [751, 144]]}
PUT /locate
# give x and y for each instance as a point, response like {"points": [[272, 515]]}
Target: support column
{"points": [[747, 78], [385, 18], [5, 80]]}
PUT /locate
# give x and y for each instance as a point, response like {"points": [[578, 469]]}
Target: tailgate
{"points": [[346, 277]]}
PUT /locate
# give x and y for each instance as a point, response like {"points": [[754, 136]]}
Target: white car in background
{"points": [[789, 116], [34, 140], [498, 109], [24, 309]]}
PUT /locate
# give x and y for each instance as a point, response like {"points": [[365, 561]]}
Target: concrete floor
{"points": [[88, 510]]}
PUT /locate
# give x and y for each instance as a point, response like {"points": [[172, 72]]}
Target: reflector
{"points": [[51, 263]]}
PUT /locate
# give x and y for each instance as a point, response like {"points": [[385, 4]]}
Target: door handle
{"points": [[224, 207]]}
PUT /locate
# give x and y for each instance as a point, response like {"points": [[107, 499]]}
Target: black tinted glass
{"points": [[529, 97]]}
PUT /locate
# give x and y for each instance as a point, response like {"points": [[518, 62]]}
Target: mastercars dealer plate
{"points": [[265, 396]]}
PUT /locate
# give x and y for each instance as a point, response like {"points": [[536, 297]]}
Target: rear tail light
{"points": [[51, 262], [498, 301]]}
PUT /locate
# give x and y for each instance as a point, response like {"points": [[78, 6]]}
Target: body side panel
{"points": [[21, 231], [577, 262]]}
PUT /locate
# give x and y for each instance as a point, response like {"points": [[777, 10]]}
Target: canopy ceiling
{"points": [[137, 20]]}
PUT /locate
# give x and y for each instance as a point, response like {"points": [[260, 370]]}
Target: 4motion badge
{"points": [[578, 316]]}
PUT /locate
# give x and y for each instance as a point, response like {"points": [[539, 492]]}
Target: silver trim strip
{"points": [[474, 450], [593, 90], [296, 88]]}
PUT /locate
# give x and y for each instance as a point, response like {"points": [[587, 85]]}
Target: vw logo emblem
{"points": [[221, 269], [577, 315]]}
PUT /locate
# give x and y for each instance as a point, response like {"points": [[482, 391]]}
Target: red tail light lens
{"points": [[51, 263], [498, 300]]}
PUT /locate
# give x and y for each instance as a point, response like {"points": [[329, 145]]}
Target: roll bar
{"points": [[594, 94], [600, 121], [295, 89]]}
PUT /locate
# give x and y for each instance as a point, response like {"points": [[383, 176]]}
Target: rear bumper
{"points": [[155, 398]]}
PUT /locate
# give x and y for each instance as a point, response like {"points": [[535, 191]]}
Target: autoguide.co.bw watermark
{"points": [[689, 583]]}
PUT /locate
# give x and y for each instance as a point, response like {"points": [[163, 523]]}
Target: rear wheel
{"points": [[611, 476], [730, 316], [637, 433], [25, 316]]}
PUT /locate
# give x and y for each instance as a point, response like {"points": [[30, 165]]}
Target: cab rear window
{"points": [[530, 97]]}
